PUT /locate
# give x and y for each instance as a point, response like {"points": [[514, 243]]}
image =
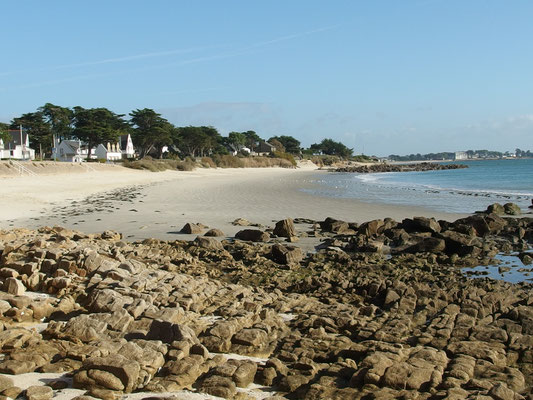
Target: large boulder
{"points": [[512, 209], [459, 243], [208, 243], [495, 208], [285, 228], [334, 226], [421, 224], [191, 228], [114, 372], [483, 224], [252, 235], [427, 245], [14, 286], [214, 233], [286, 254], [39, 393], [250, 337], [372, 228]]}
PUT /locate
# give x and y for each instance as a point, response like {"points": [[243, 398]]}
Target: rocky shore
{"points": [[380, 311], [425, 166]]}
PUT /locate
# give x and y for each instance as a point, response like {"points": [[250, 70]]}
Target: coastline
{"points": [[143, 204], [104, 315]]}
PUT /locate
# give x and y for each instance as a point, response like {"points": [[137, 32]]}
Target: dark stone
{"points": [[286, 254], [252, 235], [190, 228], [285, 228]]}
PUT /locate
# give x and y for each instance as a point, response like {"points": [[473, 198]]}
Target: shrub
{"points": [[150, 164], [227, 161], [207, 162], [185, 166], [285, 156]]}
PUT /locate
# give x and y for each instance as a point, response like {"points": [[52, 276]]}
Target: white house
{"points": [[235, 149], [126, 146], [18, 147], [461, 155], [71, 151], [116, 151], [111, 152]]}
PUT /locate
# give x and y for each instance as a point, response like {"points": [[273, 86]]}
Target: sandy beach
{"points": [[142, 204]]}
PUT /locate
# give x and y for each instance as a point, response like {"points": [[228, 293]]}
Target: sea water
{"points": [[455, 190]]}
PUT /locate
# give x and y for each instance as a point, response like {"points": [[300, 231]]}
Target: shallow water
{"points": [[511, 269], [457, 191]]}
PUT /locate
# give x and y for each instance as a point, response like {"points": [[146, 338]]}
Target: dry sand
{"points": [[142, 204]]}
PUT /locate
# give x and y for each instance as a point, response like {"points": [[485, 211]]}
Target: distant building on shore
{"points": [[76, 150], [461, 155], [265, 149], [71, 151], [18, 147], [122, 149]]}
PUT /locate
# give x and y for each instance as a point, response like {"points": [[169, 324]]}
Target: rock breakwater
{"points": [[372, 168], [381, 310]]}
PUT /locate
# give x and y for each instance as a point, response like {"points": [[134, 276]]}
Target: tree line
{"points": [[150, 133]]}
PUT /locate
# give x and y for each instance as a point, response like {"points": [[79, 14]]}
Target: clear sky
{"points": [[384, 77]]}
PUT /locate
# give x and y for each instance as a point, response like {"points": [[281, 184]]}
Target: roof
{"points": [[265, 146], [15, 139], [72, 145], [123, 141]]}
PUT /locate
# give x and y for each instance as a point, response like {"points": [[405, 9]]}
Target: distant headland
{"points": [[462, 155]]}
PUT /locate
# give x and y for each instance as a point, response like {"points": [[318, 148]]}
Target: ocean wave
{"points": [[422, 186]]}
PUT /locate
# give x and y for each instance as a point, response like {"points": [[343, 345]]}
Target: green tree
{"points": [[252, 139], [236, 139], [37, 128], [150, 131], [97, 125], [4, 134], [59, 119], [331, 147], [197, 140], [290, 144]]}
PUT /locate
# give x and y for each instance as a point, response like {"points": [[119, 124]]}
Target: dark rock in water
{"points": [[286, 254], [285, 228], [252, 235], [512, 209], [214, 233], [495, 208], [191, 228], [526, 258]]}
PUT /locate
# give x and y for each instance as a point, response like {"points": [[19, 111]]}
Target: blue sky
{"points": [[384, 77]]}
